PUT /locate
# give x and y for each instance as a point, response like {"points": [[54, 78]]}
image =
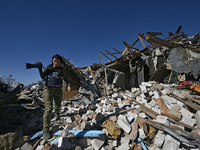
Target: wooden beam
{"points": [[130, 46], [106, 56], [135, 42], [158, 41], [141, 40], [100, 58], [93, 76], [117, 50], [111, 54], [142, 36]]}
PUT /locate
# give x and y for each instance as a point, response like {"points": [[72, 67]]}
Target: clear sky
{"points": [[34, 30]]}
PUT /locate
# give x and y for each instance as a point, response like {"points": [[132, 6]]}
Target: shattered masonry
{"points": [[145, 99]]}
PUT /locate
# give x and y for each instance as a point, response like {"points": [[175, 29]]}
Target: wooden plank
{"points": [[135, 42], [106, 56], [111, 54], [141, 40], [100, 58], [117, 50], [159, 41]]}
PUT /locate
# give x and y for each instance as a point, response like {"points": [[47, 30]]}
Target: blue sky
{"points": [[34, 30]]}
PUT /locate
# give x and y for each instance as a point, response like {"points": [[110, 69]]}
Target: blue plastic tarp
{"points": [[83, 133]]}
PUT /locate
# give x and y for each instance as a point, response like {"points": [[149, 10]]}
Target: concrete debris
{"points": [[144, 99]]}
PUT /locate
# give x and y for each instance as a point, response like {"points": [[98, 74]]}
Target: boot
{"points": [[46, 135]]}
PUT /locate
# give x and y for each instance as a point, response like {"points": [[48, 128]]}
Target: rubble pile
{"points": [[145, 99]]}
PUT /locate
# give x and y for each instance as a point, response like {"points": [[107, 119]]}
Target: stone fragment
{"points": [[113, 129]]}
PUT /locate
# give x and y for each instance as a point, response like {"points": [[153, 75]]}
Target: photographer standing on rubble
{"points": [[53, 76]]}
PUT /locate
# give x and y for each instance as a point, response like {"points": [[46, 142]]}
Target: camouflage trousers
{"points": [[51, 94]]}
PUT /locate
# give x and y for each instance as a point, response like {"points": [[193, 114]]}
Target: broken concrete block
{"points": [[85, 117], [141, 133], [123, 146], [68, 119], [26, 146], [115, 95], [97, 143], [169, 100], [142, 96], [40, 147], [143, 88], [162, 119], [134, 115], [156, 109], [189, 121], [129, 118], [152, 103], [154, 147], [156, 94], [148, 105], [186, 113], [159, 138], [170, 143], [122, 122], [109, 108], [148, 84], [142, 115]]}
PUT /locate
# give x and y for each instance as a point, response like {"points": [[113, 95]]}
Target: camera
{"points": [[36, 65]]}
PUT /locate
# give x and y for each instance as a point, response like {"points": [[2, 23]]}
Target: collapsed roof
{"points": [[177, 53]]}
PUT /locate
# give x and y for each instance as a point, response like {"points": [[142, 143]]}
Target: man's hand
{"points": [[39, 65], [69, 89]]}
